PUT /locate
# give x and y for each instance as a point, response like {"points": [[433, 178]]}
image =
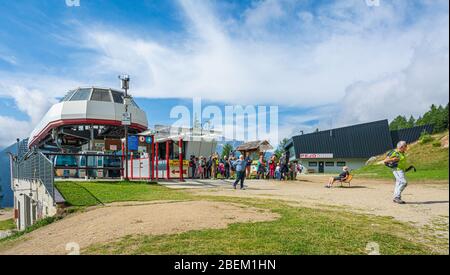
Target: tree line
{"points": [[436, 116]]}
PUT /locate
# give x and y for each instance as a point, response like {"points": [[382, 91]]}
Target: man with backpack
{"points": [[239, 165], [396, 160]]}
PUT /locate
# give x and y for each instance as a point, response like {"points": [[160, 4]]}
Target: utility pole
{"points": [[126, 118]]}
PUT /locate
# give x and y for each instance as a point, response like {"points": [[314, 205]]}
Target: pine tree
{"points": [[280, 149], [227, 150], [436, 116], [399, 123], [411, 122]]}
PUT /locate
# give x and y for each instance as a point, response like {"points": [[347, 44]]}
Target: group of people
{"points": [[283, 169], [211, 167], [214, 167]]}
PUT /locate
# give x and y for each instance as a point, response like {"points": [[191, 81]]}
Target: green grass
{"points": [[94, 193], [11, 240], [7, 224], [431, 163], [299, 231]]}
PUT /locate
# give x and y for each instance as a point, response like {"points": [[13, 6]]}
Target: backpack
{"points": [[392, 165]]}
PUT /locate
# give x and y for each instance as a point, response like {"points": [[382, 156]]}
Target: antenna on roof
{"points": [[125, 84]]}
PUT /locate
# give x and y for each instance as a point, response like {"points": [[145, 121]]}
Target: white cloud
{"points": [[33, 95], [11, 59], [354, 59], [410, 91], [12, 129], [263, 12], [353, 43]]}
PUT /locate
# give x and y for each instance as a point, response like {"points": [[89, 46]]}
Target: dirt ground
{"points": [[103, 224], [427, 208], [426, 202]]}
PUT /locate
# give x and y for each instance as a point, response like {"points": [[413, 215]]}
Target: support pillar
{"points": [[167, 159], [157, 160], [180, 153]]}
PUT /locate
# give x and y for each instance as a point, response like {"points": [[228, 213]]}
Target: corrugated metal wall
{"points": [[410, 135], [358, 141]]}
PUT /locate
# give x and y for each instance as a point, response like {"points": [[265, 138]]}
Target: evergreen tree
{"points": [[399, 123], [436, 116], [227, 150], [280, 149], [411, 122]]}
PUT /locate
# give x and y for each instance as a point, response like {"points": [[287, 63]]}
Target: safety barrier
{"points": [[34, 166]]}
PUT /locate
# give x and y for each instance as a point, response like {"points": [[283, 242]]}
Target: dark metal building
{"points": [[410, 135], [330, 150]]}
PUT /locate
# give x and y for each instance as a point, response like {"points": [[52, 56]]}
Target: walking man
{"points": [[396, 160], [239, 165]]}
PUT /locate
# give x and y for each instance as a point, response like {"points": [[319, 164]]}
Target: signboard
{"points": [[126, 118], [133, 143], [148, 140], [316, 156], [142, 149], [175, 168]]}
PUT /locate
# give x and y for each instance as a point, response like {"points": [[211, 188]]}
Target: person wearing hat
{"points": [[342, 177]]}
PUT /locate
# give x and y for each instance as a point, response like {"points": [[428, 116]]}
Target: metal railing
{"points": [[35, 166]]}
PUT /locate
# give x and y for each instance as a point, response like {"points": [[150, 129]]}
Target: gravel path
{"points": [[104, 224], [426, 202]]}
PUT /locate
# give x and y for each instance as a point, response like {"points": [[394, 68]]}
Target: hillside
{"points": [[430, 159]]}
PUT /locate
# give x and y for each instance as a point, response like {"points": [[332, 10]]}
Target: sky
{"points": [[323, 63]]}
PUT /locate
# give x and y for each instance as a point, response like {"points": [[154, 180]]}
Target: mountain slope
{"points": [[430, 159]]}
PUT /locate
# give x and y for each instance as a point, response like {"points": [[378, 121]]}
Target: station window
{"points": [[67, 97], [312, 164], [81, 94], [341, 163], [117, 96], [68, 161], [101, 95], [329, 164]]}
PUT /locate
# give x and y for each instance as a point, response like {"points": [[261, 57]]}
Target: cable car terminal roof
{"points": [[92, 106]]}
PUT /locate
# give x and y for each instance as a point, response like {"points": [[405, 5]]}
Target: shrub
{"points": [[425, 138], [437, 143]]}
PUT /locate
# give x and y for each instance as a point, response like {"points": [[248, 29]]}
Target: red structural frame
{"points": [[86, 121], [157, 158], [180, 153], [168, 159]]}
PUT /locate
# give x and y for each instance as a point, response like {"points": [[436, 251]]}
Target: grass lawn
{"points": [[431, 163], [299, 231], [7, 225], [94, 193]]}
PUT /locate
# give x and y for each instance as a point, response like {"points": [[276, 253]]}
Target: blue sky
{"points": [[323, 63]]}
